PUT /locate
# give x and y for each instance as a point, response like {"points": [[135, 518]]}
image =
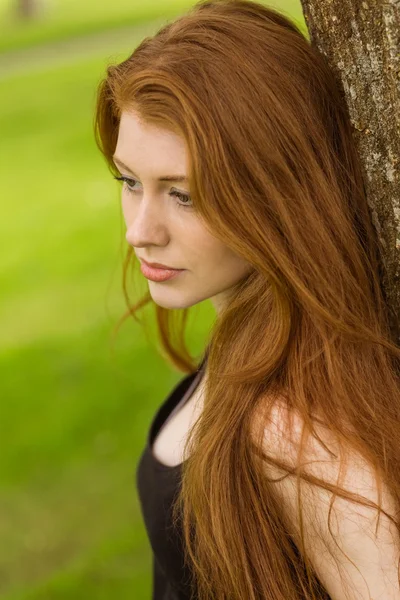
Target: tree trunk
{"points": [[361, 42]]}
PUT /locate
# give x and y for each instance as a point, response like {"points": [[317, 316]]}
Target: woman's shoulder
{"points": [[282, 431]]}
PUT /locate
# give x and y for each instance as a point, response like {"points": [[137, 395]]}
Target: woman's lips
{"points": [[156, 274]]}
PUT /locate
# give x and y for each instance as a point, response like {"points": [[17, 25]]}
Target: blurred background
{"points": [[74, 415]]}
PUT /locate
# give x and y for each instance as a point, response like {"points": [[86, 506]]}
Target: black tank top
{"points": [[157, 485]]}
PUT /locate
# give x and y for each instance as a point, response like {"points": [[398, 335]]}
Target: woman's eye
{"points": [[128, 182], [184, 198]]}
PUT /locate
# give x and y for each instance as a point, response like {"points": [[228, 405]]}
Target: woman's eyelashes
{"points": [[130, 183]]}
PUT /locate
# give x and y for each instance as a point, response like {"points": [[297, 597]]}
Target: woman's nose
{"points": [[146, 225]]}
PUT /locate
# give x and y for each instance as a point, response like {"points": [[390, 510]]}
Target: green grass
{"points": [[73, 18], [73, 417]]}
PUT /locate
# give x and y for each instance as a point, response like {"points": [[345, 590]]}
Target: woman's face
{"points": [[159, 226]]}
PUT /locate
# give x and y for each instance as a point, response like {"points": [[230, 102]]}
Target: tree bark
{"points": [[361, 42]]}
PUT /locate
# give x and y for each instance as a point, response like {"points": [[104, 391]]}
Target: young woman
{"points": [[267, 466]]}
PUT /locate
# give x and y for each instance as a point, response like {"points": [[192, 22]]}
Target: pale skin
{"points": [[370, 573], [161, 228], [161, 231]]}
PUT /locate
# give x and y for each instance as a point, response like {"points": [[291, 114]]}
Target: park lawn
{"points": [[74, 415], [73, 18]]}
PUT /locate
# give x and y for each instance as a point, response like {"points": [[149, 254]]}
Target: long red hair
{"points": [[275, 173]]}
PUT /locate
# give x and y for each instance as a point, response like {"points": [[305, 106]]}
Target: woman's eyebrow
{"points": [[164, 178]]}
